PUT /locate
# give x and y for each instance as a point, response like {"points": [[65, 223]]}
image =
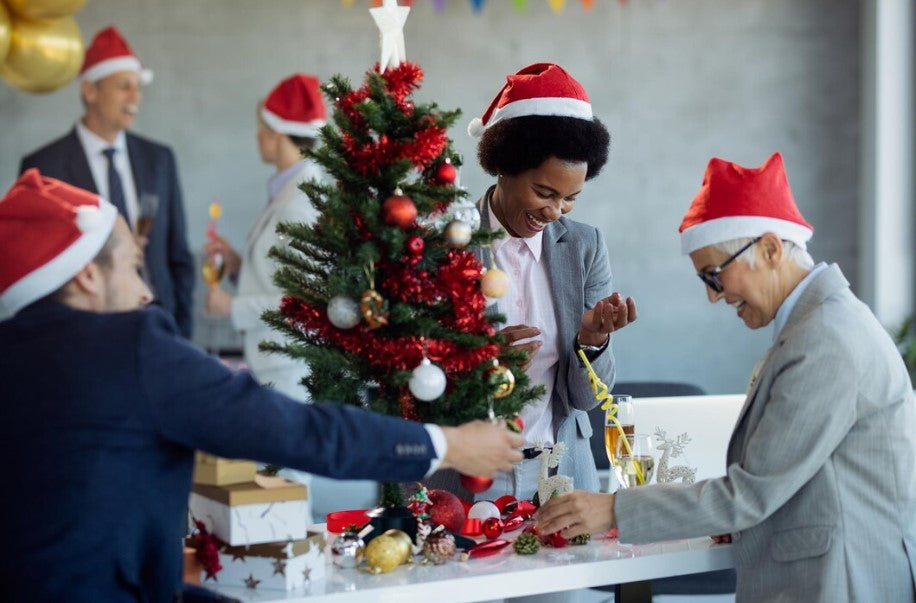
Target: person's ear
{"points": [[88, 91], [771, 248], [89, 281]]}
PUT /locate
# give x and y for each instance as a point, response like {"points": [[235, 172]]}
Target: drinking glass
{"points": [[634, 467], [626, 416]]}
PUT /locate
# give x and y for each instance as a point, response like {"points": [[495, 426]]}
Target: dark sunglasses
{"points": [[711, 276]]}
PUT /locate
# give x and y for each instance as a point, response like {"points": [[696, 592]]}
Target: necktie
{"points": [[115, 189]]}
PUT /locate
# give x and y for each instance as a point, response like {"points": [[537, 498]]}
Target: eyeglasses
{"points": [[711, 276]]}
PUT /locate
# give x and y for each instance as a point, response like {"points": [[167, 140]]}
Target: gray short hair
{"points": [[795, 253]]}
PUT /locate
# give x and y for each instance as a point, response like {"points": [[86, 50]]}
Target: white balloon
{"points": [[427, 381]]}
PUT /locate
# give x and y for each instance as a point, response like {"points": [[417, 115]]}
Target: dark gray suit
{"points": [[168, 260], [820, 490]]}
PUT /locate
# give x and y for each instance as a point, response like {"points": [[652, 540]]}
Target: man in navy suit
{"points": [[137, 175], [104, 404]]}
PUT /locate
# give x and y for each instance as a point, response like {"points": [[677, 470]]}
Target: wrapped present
{"points": [[273, 565], [269, 509], [215, 471]]}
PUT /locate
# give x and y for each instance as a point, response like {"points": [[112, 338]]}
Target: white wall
{"points": [[676, 81]]}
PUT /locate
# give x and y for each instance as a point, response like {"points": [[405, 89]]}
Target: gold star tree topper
{"points": [[390, 19]]}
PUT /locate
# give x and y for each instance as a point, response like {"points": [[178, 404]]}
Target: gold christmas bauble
{"points": [[384, 553], [404, 543], [502, 378], [494, 283], [374, 309], [44, 54]]}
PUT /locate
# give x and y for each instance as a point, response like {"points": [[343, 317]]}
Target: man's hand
{"points": [[610, 314], [231, 259], [481, 448], [517, 333], [577, 512], [218, 302]]}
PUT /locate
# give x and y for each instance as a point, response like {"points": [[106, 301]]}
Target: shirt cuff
{"points": [[440, 444]]}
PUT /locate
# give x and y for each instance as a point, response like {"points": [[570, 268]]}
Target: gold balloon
{"points": [[44, 9], [6, 27], [44, 54]]}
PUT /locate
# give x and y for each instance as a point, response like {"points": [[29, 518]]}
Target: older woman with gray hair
{"points": [[819, 495]]}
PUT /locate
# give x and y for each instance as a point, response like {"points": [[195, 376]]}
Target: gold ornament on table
{"points": [[44, 9], [386, 552], [44, 54], [501, 377]]}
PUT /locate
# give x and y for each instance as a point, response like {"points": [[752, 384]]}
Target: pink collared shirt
{"points": [[529, 301]]}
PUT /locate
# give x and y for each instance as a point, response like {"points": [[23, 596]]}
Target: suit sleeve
{"points": [[597, 286], [196, 402], [808, 412], [181, 262]]}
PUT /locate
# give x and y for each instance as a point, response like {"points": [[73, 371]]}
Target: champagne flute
{"points": [[214, 264], [635, 459], [621, 409]]}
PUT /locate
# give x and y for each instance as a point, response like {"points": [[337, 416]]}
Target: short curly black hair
{"points": [[519, 144]]}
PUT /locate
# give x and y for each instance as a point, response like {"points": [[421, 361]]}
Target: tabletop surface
{"points": [[602, 561]]}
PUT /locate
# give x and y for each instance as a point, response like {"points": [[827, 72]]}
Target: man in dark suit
{"points": [[104, 404], [137, 175]]}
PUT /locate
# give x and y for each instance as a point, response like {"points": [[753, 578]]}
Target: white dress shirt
{"points": [[529, 301], [93, 145]]}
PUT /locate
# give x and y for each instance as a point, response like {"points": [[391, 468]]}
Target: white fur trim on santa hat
{"points": [[720, 230], [105, 68], [96, 225], [304, 129], [560, 106]]}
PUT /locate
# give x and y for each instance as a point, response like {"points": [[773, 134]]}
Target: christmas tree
{"points": [[385, 296]]}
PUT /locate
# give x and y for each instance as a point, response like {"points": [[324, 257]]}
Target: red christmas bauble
{"points": [[399, 210], [446, 173], [475, 483], [492, 527], [415, 245]]}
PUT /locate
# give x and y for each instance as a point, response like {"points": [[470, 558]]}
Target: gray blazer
{"points": [[820, 490], [580, 275]]}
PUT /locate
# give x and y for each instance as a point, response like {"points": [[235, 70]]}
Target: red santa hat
{"points": [[736, 202], [295, 107], [49, 231], [539, 89], [109, 53]]}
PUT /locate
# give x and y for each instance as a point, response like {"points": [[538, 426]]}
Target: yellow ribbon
{"points": [[610, 408]]}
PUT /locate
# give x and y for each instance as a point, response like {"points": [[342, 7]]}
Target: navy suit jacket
{"points": [[168, 259], [100, 417]]}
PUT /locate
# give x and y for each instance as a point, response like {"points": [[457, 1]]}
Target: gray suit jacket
{"points": [[820, 490], [580, 274]]}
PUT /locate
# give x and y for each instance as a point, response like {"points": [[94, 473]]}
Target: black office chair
{"points": [[707, 583]]}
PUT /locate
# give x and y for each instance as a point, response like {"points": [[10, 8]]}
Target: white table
{"points": [[603, 561]]}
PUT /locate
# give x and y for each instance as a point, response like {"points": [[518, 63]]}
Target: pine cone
{"points": [[526, 544], [439, 547], [580, 539]]}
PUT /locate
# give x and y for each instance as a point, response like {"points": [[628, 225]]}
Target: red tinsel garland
{"points": [[207, 547]]}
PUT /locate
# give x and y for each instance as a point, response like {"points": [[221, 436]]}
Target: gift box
{"points": [[274, 565], [269, 509], [215, 471]]}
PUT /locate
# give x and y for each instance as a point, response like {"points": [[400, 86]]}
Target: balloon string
{"points": [[610, 408]]}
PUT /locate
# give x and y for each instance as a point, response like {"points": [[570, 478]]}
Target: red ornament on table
{"points": [[490, 547], [475, 483], [446, 173], [492, 527], [399, 210]]}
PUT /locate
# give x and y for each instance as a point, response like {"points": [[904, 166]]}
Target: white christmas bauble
{"points": [[494, 283], [458, 234], [427, 381], [343, 312], [467, 212], [483, 510]]}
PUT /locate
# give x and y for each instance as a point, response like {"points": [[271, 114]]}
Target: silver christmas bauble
{"points": [[427, 381], [458, 234], [343, 312], [347, 550], [467, 212]]}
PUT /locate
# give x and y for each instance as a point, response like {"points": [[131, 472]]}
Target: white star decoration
{"points": [[390, 18]]}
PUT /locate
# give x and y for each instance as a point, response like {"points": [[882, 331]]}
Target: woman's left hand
{"points": [[610, 314]]}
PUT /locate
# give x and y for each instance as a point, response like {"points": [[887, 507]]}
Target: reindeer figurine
{"points": [[559, 483], [672, 449]]}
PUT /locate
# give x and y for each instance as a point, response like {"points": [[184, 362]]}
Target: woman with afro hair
{"points": [[541, 142]]}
